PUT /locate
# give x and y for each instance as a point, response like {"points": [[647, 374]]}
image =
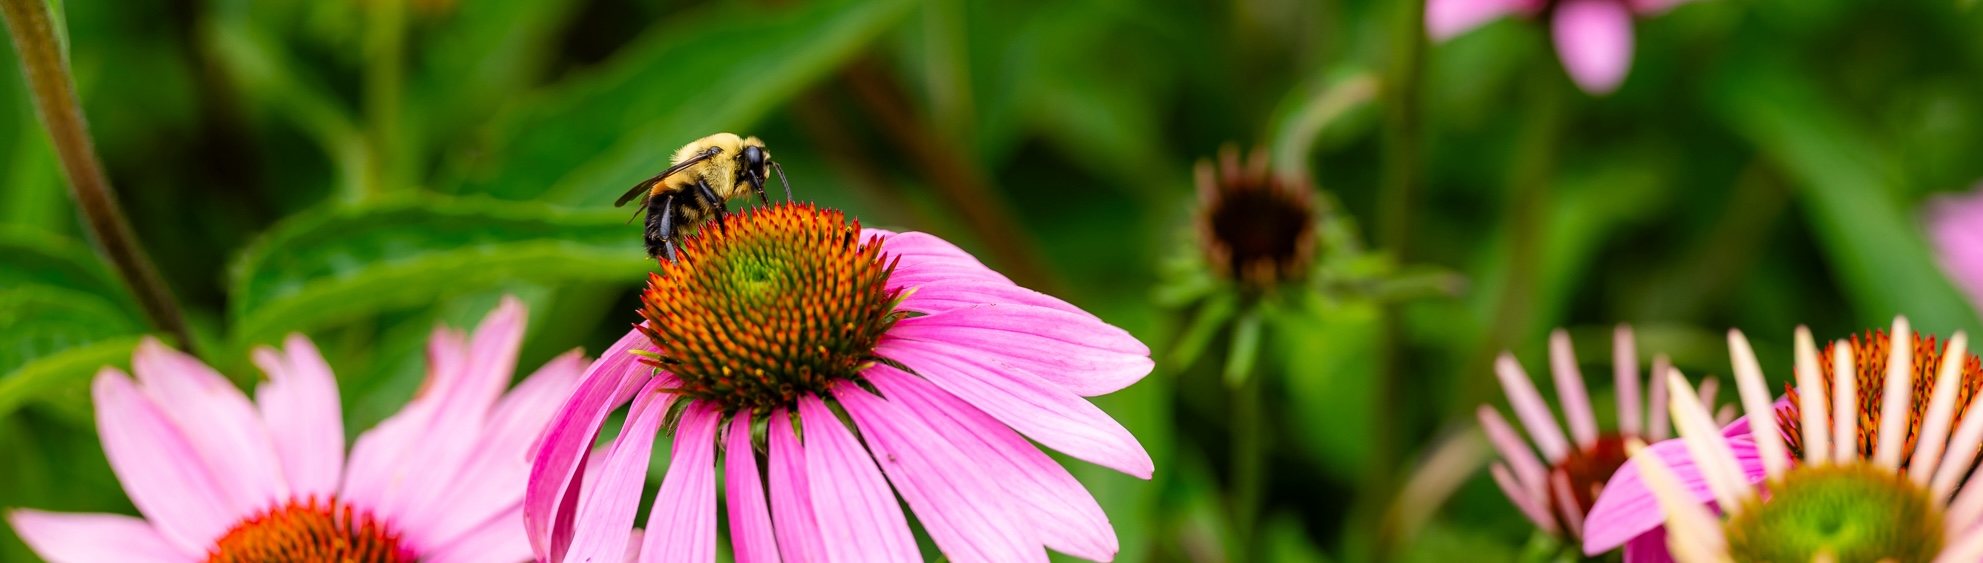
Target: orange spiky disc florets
{"points": [[1869, 356], [780, 301], [311, 530]]}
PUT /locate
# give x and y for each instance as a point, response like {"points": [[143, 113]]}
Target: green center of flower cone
{"points": [[781, 301], [308, 531], [1851, 513]]}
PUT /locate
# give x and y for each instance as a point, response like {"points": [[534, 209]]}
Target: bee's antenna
{"points": [[782, 180]]}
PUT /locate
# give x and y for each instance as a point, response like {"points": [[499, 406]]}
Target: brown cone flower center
{"points": [[780, 301], [1256, 227], [310, 531], [1586, 471], [1869, 356]]}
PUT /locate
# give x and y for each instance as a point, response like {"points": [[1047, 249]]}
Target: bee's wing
{"points": [[648, 184]]}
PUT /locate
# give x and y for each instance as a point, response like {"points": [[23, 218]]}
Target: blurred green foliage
{"points": [[361, 171]]}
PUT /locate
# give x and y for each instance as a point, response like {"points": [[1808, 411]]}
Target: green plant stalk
{"points": [[385, 88], [46, 65], [1403, 136], [1249, 456]]}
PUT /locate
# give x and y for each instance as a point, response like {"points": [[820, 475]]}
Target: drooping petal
{"points": [[858, 517], [159, 469], [1062, 512], [1627, 508], [751, 537], [299, 402], [1039, 409], [791, 493], [1446, 19], [611, 500], [955, 498], [218, 421], [1078, 353], [682, 524], [561, 448], [91, 538], [1594, 39]]}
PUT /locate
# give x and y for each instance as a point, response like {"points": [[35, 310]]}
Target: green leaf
{"points": [[41, 320], [1245, 347], [1212, 317], [480, 53], [339, 264], [63, 378], [1873, 242], [588, 140], [33, 257]]}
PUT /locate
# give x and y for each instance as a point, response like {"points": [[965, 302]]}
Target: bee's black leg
{"points": [[660, 226], [715, 204]]}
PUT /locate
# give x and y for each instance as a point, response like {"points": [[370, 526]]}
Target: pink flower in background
{"points": [[220, 478], [1955, 228], [1592, 37], [763, 335]]}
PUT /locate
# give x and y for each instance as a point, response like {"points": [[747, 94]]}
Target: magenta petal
{"points": [[1649, 547], [1955, 228], [560, 449], [1035, 407], [90, 538], [934, 292], [750, 522], [857, 515], [160, 471], [219, 421], [1626, 509], [791, 495], [1594, 39], [1056, 506], [1078, 353], [1446, 19], [607, 508], [299, 402], [682, 524], [957, 500], [921, 254]]}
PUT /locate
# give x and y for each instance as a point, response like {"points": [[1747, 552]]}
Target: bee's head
{"points": [[755, 163]]}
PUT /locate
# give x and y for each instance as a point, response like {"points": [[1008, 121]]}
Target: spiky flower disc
{"points": [[778, 302], [1870, 355], [1838, 513], [311, 530], [1256, 227]]}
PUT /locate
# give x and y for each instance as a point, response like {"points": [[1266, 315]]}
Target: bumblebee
{"points": [[703, 177]]}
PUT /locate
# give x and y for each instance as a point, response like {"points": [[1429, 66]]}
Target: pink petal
{"points": [[932, 291], [1955, 229], [498, 539], [682, 524], [1060, 509], [218, 421], [1594, 39], [90, 538], [1446, 19], [1039, 409], [791, 495], [159, 469], [922, 252], [561, 448], [1081, 354], [373, 477], [492, 480], [299, 402], [858, 517], [1649, 547], [958, 502], [1627, 508], [607, 508], [461, 402], [750, 522]]}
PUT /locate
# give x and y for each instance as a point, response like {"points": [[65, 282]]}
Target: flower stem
{"points": [[385, 79], [1249, 453], [46, 65], [1403, 81]]}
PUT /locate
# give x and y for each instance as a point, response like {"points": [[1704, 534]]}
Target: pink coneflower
{"points": [[1557, 496], [1593, 37], [221, 478], [1955, 227], [828, 362], [1842, 502]]}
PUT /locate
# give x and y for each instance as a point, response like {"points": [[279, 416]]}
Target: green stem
{"points": [[1403, 81], [385, 81], [46, 64], [1249, 457]]}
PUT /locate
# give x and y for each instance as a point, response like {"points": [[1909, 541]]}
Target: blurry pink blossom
{"points": [[1593, 37], [1955, 228]]}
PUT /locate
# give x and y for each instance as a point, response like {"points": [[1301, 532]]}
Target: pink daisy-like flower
{"points": [[221, 478], [1593, 37], [1881, 472], [1557, 496], [839, 367], [1955, 228]]}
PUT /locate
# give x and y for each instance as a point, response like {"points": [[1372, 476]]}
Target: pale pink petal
{"points": [[611, 500], [1955, 229], [858, 517], [1570, 389], [1566, 504], [1062, 512], [561, 448], [218, 421], [1897, 396], [495, 540], [1446, 19], [957, 501], [1594, 39], [453, 429], [299, 402], [1081, 354], [93, 538], [1657, 428], [380, 455], [1625, 378], [1530, 408], [791, 495], [1627, 508], [1941, 408], [682, 524], [1649, 547], [1045, 412], [159, 469], [1525, 500], [1528, 471], [492, 480], [751, 537]]}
